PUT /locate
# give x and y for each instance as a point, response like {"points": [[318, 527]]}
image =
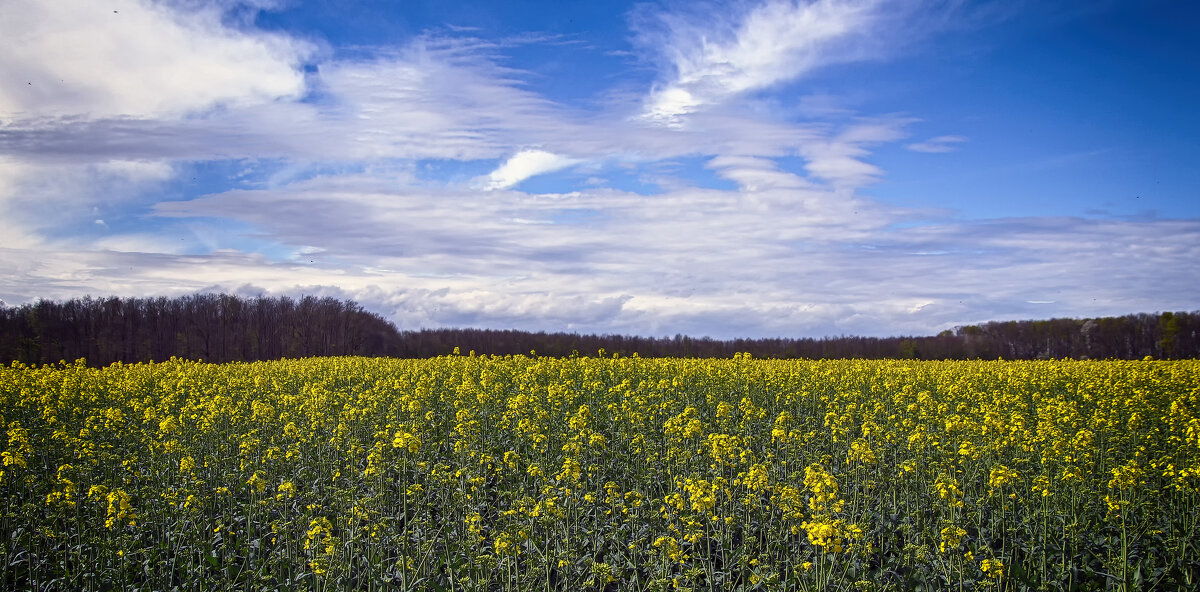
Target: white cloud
{"points": [[772, 42], [840, 160], [136, 171], [938, 144], [137, 58], [523, 165], [773, 257], [137, 243], [776, 256], [668, 105], [432, 99]]}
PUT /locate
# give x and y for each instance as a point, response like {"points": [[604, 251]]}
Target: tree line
{"points": [[211, 327], [1164, 336], [225, 328]]}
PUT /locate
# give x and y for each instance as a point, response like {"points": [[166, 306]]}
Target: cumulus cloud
{"points": [[938, 144], [137, 59], [523, 165]]}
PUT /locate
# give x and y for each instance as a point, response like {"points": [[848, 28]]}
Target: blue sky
{"points": [[731, 169]]}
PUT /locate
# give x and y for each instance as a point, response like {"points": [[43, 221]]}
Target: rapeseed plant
{"points": [[523, 473]]}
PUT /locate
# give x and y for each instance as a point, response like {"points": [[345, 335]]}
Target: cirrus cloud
{"points": [[938, 144], [757, 47]]}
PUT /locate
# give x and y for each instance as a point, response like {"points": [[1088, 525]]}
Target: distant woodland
{"points": [[215, 328], [225, 328]]}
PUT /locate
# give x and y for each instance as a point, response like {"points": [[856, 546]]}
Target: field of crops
{"points": [[528, 473]]}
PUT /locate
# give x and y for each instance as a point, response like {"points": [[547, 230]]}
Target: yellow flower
{"points": [[860, 452], [474, 526], [948, 490], [824, 488], [120, 509], [1127, 476], [570, 471], [505, 544], [758, 477], [1001, 476], [407, 441], [287, 488], [951, 538], [670, 548], [258, 483]]}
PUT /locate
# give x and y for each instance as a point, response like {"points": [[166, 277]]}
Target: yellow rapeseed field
{"points": [[593, 473]]}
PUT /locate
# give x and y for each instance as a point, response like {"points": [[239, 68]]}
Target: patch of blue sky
{"points": [[348, 23], [976, 183], [563, 181], [568, 52], [199, 178], [693, 171], [445, 171], [1063, 118], [569, 70], [353, 24], [627, 179]]}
